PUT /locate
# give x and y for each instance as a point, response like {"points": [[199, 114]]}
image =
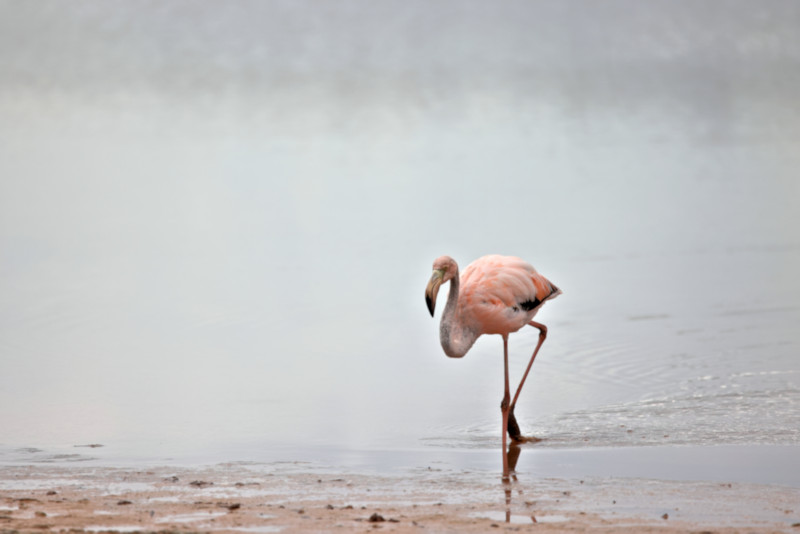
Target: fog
{"points": [[217, 220]]}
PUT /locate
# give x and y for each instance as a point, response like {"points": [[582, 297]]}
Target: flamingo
{"points": [[494, 295]]}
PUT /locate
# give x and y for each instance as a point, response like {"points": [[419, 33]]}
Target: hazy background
{"points": [[217, 220]]}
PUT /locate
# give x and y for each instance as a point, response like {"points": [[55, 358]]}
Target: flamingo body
{"points": [[501, 294]]}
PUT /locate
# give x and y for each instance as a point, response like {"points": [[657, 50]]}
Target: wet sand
{"points": [[291, 497]]}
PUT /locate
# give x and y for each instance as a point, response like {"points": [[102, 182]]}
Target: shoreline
{"points": [[290, 497], [733, 463]]}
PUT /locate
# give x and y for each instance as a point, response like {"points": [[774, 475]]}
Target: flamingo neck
{"points": [[456, 339]]}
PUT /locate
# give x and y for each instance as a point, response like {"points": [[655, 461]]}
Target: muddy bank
{"points": [[286, 497]]}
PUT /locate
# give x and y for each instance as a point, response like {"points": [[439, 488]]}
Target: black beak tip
{"points": [[429, 302]]}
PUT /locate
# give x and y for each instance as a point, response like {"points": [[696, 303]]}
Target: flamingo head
{"points": [[444, 270]]}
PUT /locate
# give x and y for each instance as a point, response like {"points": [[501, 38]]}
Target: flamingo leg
{"points": [[504, 408], [513, 427]]}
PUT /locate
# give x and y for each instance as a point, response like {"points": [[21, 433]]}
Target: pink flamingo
{"points": [[494, 295]]}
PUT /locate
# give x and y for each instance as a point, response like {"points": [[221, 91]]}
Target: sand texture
{"points": [[287, 497]]}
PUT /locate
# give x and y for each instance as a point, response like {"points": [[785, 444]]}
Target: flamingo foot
{"points": [[526, 439], [514, 431]]}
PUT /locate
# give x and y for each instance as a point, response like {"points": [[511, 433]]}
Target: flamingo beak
{"points": [[433, 289]]}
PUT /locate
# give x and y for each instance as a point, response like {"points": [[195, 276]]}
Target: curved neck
{"points": [[456, 339]]}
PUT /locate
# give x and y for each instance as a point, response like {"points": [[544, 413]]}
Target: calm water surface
{"points": [[217, 223]]}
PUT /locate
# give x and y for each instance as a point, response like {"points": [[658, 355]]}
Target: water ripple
{"points": [[725, 417]]}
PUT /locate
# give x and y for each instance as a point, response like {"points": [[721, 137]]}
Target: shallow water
{"points": [[216, 225]]}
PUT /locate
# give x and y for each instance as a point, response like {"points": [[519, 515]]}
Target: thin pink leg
{"points": [[504, 408], [542, 336]]}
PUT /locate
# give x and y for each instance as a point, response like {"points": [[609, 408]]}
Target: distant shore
{"points": [[287, 497]]}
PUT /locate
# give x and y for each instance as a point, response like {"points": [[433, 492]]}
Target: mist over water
{"points": [[217, 221]]}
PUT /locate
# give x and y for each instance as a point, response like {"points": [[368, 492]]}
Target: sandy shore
{"points": [[287, 497]]}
